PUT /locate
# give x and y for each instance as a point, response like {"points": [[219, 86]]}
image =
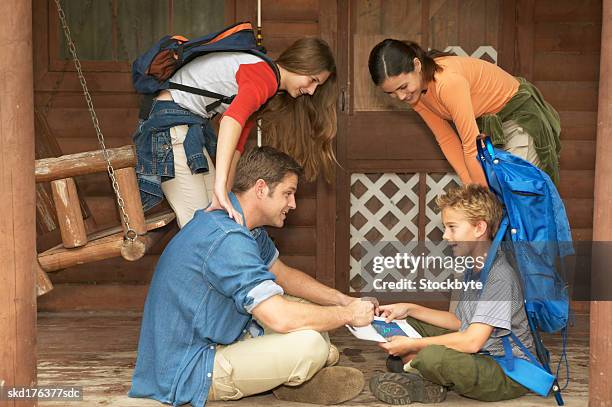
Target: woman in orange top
{"points": [[471, 93]]}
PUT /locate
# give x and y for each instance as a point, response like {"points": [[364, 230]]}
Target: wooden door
{"points": [[393, 167]]}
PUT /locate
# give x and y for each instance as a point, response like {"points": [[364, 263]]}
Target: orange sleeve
{"points": [[454, 95], [447, 140]]}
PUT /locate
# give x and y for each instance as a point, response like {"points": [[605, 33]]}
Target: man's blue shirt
{"points": [[206, 284]]}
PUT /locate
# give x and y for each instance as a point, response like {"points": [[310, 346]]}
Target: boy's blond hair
{"points": [[476, 202]]}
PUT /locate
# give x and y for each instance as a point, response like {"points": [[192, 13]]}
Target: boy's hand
{"points": [[399, 345], [394, 311]]}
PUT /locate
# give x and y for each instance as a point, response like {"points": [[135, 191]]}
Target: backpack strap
{"points": [[499, 236], [202, 92]]}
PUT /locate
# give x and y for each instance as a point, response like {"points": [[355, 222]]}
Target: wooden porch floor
{"points": [[97, 350]]}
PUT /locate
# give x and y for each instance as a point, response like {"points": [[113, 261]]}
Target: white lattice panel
{"points": [[437, 184], [384, 211], [480, 53], [384, 219]]}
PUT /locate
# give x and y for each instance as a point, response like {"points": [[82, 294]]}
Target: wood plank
{"points": [[576, 183], [579, 212], [295, 240], [307, 264], [290, 10], [275, 45], [76, 122], [566, 66], [110, 82], [601, 307], [328, 23], [326, 221], [94, 297], [582, 234], [577, 125], [577, 155], [97, 350], [48, 169], [402, 137], [505, 56], [102, 100], [382, 165], [568, 10], [306, 190], [80, 145], [523, 50], [567, 37], [18, 221], [304, 215], [565, 95], [109, 271], [284, 28]]}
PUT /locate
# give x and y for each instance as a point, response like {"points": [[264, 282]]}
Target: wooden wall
{"points": [[557, 48]]}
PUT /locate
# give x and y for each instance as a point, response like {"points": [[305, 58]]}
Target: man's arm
{"points": [[300, 284], [285, 316]]}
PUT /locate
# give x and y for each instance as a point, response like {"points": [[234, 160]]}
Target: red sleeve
{"points": [[256, 84]]}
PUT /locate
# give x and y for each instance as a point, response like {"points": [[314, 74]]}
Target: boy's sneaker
{"points": [[406, 388]]}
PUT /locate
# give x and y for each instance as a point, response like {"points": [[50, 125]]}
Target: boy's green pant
{"points": [[471, 375]]}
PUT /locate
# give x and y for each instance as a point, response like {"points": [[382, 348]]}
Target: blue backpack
{"points": [[152, 70], [536, 231]]}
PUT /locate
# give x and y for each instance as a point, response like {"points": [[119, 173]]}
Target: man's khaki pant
{"points": [[256, 365]]}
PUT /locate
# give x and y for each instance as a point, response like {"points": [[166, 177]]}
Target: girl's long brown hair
{"points": [[304, 127]]}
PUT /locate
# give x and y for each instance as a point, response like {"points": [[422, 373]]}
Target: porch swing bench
{"points": [[129, 241], [136, 234]]}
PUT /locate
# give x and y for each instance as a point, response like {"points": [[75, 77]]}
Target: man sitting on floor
{"points": [[217, 281], [453, 351]]}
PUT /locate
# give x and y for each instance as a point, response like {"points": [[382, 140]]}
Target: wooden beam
{"points": [[103, 245], [43, 282], [67, 166], [69, 215], [18, 220], [128, 187], [600, 386]]}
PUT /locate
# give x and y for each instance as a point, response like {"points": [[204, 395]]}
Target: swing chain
{"points": [[130, 234]]}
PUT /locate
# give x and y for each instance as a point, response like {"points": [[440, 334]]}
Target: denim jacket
{"points": [[209, 279], [155, 160]]}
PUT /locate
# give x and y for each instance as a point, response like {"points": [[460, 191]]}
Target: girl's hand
{"points": [[394, 311], [221, 201], [399, 345]]}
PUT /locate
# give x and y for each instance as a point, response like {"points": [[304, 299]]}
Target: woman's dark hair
{"points": [[393, 57]]}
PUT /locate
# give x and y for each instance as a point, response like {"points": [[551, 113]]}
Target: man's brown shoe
{"points": [[331, 385]]}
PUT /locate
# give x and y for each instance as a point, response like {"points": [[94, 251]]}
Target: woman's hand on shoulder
{"points": [[221, 201]]}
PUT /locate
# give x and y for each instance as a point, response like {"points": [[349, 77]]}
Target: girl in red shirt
{"points": [[297, 113]]}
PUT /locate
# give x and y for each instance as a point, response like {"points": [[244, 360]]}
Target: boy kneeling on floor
{"points": [[456, 348]]}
